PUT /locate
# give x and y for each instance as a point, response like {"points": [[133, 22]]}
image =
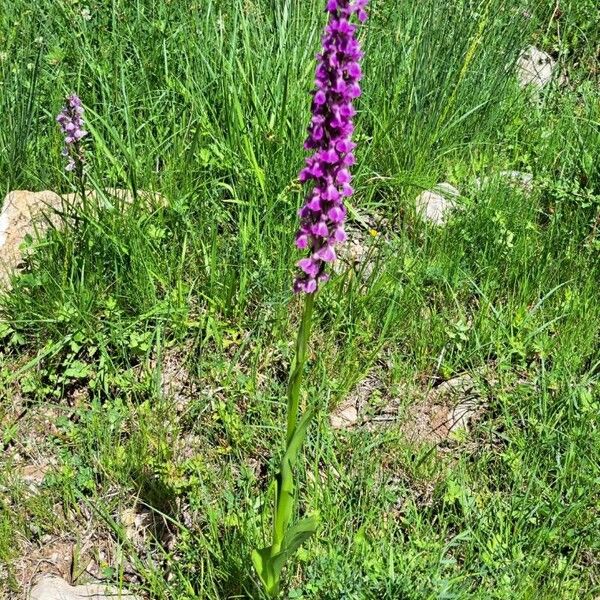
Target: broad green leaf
{"points": [[285, 478], [294, 538], [269, 566], [263, 563]]}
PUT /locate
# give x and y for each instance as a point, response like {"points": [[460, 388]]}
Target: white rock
{"points": [[345, 416], [4, 222], [436, 205], [50, 587], [535, 68]]}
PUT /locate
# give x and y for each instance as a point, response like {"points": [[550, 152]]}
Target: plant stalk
{"points": [[297, 368], [283, 506], [80, 175]]}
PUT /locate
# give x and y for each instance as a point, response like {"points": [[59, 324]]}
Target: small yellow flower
{"points": [[373, 232]]}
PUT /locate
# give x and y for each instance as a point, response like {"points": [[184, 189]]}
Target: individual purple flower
{"points": [[71, 122], [337, 80]]}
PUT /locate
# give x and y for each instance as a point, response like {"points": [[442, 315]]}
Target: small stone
{"points": [[54, 588], [464, 413], [436, 205], [345, 416], [535, 68], [138, 524], [34, 474], [351, 254], [355, 405], [456, 387], [463, 401], [520, 179]]}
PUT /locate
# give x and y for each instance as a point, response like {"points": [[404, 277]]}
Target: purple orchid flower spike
{"points": [[337, 80], [321, 229], [71, 122]]}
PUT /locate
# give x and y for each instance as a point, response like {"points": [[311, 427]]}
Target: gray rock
{"points": [[535, 68], [436, 205], [359, 254], [464, 413], [352, 408], [51, 587]]}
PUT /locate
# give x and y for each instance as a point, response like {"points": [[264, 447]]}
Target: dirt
{"points": [[75, 547], [352, 411], [176, 384], [424, 416]]}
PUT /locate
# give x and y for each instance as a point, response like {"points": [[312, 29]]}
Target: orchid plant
{"points": [[322, 217], [72, 125]]}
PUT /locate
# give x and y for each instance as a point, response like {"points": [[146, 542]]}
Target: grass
{"points": [[144, 353]]}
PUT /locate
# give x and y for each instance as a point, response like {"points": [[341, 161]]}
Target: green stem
{"points": [[80, 175], [297, 369], [270, 560], [283, 502]]}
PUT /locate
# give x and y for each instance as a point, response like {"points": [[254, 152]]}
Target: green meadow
{"points": [[145, 346]]}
